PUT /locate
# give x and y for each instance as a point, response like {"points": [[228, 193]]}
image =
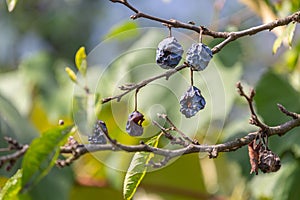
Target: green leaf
{"points": [[121, 31], [11, 4], [137, 169], [290, 177], [42, 154], [71, 74], [13, 124], [225, 56], [12, 187], [273, 89], [80, 61], [56, 185]]}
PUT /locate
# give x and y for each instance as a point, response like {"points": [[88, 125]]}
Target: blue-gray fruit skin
{"points": [[198, 56], [134, 124], [191, 102], [169, 53], [99, 131]]}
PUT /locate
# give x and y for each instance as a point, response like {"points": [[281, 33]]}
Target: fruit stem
{"points": [[135, 99], [170, 31], [192, 76], [200, 34]]}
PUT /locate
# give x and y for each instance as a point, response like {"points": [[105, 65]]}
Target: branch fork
{"points": [[189, 145]]}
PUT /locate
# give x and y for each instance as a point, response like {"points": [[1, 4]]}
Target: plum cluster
{"points": [[168, 55]]}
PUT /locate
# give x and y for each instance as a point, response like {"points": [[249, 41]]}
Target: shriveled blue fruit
{"points": [[99, 131], [191, 102], [134, 124], [198, 56], [169, 53]]}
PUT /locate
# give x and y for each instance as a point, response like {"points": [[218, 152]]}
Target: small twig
{"points": [[164, 131], [130, 87], [13, 145], [253, 119], [174, 140], [288, 113], [164, 116]]}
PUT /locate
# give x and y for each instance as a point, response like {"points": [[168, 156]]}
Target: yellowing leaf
{"points": [[11, 189], [290, 32], [265, 12], [277, 44], [286, 37], [80, 61], [137, 169], [11, 4], [71, 74]]}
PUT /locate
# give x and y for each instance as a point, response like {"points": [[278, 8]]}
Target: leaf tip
{"points": [[71, 74]]}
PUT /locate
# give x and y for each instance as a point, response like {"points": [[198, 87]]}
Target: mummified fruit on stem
{"points": [[198, 56], [134, 124], [99, 131], [191, 102], [168, 53], [268, 161]]}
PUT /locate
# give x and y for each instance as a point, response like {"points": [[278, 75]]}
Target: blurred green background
{"points": [[40, 38]]}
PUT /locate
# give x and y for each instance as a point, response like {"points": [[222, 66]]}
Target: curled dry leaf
{"points": [[253, 151]]}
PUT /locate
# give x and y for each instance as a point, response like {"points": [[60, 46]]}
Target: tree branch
{"points": [[11, 159], [253, 119], [192, 147], [77, 150], [228, 36]]}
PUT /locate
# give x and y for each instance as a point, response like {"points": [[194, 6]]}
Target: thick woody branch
{"points": [[212, 150], [228, 36], [188, 146]]}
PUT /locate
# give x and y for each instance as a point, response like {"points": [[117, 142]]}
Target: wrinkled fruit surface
{"points": [[99, 131], [198, 56], [268, 161], [134, 124], [168, 53], [191, 102]]}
